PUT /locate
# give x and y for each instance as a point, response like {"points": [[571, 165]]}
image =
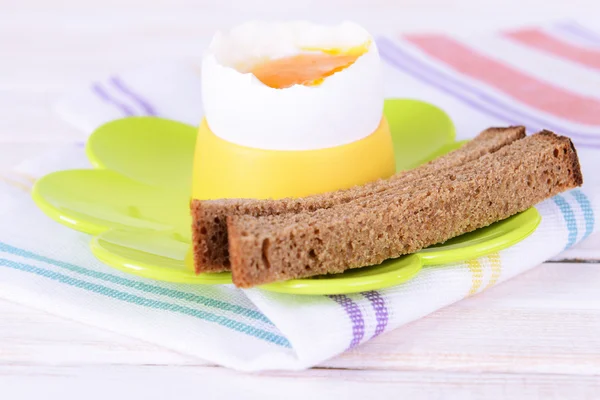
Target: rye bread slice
{"points": [[410, 217], [209, 228]]}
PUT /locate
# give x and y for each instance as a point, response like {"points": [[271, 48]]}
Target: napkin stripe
{"points": [[563, 32], [569, 217], [103, 94], [581, 32], [144, 287], [381, 311], [119, 84], [355, 315], [24, 176], [496, 265], [588, 212], [540, 40], [149, 303], [521, 86], [461, 90], [476, 269], [412, 66], [14, 183]]}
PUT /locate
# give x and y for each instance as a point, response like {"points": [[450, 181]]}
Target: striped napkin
{"points": [[541, 77]]}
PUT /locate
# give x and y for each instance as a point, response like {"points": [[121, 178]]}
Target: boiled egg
{"points": [[291, 109]]}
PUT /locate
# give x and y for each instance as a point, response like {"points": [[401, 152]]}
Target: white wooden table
{"points": [[546, 341]]}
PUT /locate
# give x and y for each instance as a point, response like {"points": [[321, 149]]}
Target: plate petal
{"points": [[163, 256], [93, 201], [151, 150], [420, 131]]}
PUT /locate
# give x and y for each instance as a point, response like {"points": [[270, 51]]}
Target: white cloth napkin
{"points": [[48, 266]]}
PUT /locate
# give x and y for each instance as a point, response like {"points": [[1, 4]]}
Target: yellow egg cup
{"points": [[226, 170]]}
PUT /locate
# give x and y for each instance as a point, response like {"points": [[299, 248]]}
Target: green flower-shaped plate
{"points": [[136, 202]]}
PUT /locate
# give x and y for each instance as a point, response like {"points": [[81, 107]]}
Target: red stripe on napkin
{"points": [[540, 40], [519, 85]]}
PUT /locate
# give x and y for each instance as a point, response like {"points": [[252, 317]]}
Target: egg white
{"points": [[347, 106]]}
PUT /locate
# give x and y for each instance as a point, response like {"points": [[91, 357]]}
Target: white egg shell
{"points": [[346, 107]]}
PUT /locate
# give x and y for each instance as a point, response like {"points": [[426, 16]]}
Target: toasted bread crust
{"points": [[405, 219], [209, 228]]}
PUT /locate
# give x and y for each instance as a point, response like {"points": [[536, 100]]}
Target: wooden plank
{"points": [[160, 382]]}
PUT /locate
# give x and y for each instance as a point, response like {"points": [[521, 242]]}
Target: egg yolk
{"points": [[302, 69]]}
